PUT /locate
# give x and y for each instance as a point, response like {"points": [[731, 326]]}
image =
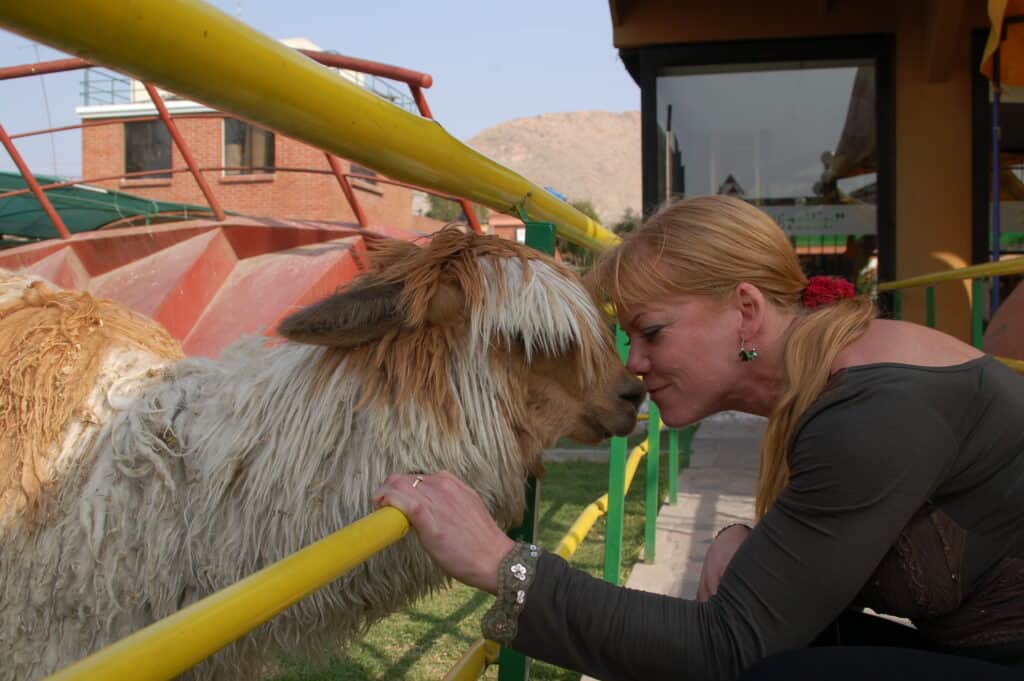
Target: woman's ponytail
{"points": [[811, 348]]}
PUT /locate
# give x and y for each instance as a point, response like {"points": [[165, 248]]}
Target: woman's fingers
{"points": [[452, 524], [398, 491], [717, 559]]}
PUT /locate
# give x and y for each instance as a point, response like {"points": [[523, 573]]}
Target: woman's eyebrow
{"points": [[634, 322]]}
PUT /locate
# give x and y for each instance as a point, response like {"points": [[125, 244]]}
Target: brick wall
{"points": [[299, 195]]}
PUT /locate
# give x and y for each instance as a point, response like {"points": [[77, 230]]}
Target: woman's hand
{"points": [[452, 523], [721, 551]]}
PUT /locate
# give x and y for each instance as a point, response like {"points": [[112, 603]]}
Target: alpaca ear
{"points": [[355, 316]]}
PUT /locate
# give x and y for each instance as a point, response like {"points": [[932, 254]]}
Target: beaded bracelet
{"points": [[515, 575]]}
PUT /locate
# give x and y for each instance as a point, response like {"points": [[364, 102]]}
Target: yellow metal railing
{"points": [[167, 648], [988, 269], [977, 275], [174, 644], [196, 51], [579, 530], [480, 656]]}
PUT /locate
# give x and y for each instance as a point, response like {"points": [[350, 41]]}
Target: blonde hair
{"points": [[708, 245]]}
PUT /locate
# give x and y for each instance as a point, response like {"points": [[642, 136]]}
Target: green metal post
{"points": [[541, 236], [929, 306], [653, 461], [673, 466], [688, 432], [977, 311], [513, 666], [616, 488], [897, 305]]}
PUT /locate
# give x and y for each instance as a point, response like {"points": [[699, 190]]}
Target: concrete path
{"points": [[716, 490]]}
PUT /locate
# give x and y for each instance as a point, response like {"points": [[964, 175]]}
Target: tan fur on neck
{"points": [[52, 344]]}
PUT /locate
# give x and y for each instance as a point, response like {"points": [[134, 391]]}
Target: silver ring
{"points": [[418, 480]]}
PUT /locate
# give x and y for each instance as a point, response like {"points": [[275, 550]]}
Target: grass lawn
{"points": [[423, 642]]}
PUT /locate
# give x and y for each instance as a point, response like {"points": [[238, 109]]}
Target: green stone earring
{"points": [[747, 355]]}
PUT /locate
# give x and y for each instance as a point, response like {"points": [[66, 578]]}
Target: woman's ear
{"points": [[750, 303]]}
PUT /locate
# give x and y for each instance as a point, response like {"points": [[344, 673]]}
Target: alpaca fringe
{"points": [[52, 343]]}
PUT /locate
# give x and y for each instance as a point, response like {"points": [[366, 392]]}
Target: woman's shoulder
{"points": [[898, 367], [891, 342]]}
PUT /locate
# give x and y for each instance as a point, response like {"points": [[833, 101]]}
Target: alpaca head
{"points": [[431, 325]]}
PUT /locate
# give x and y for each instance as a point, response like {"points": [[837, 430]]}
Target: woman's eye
{"points": [[650, 332]]}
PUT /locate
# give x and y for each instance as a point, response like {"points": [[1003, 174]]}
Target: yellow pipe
{"points": [[199, 52], [167, 648], [1015, 364], [633, 462], [989, 269], [480, 655], [583, 524], [578, 532]]}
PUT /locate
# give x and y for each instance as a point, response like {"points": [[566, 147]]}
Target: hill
{"points": [[584, 155]]}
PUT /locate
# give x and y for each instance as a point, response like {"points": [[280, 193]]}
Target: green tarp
{"points": [[82, 208]]}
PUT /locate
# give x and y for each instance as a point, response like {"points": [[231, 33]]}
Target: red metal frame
{"points": [[89, 124], [372, 68], [467, 207], [415, 80], [332, 160], [33, 185], [43, 67], [172, 128]]}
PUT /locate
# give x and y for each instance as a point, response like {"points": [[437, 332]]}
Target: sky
{"points": [[490, 61]]}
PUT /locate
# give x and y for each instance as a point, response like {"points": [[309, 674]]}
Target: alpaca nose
{"points": [[632, 390]]}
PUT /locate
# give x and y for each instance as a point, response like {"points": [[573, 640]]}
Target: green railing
{"points": [[101, 87], [976, 273]]}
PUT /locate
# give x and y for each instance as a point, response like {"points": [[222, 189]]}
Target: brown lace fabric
{"points": [[921, 578]]}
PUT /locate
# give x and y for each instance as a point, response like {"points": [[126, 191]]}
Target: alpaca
{"points": [[171, 478]]}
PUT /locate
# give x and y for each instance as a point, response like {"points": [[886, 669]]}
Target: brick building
{"points": [[250, 170]]}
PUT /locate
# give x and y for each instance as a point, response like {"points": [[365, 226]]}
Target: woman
{"points": [[892, 476]]}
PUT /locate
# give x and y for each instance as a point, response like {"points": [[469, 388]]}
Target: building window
{"points": [[796, 139], [247, 149], [147, 147], [366, 172]]}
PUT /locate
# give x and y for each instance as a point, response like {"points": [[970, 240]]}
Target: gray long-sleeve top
{"points": [[906, 493]]}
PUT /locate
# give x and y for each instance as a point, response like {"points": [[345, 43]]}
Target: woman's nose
{"points": [[637, 362]]}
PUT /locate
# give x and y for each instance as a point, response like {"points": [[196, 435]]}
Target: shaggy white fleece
{"points": [[186, 478]]}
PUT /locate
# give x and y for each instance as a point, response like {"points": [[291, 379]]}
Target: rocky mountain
{"points": [[584, 155]]}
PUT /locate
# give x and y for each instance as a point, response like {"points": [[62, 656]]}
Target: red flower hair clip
{"points": [[825, 291]]}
